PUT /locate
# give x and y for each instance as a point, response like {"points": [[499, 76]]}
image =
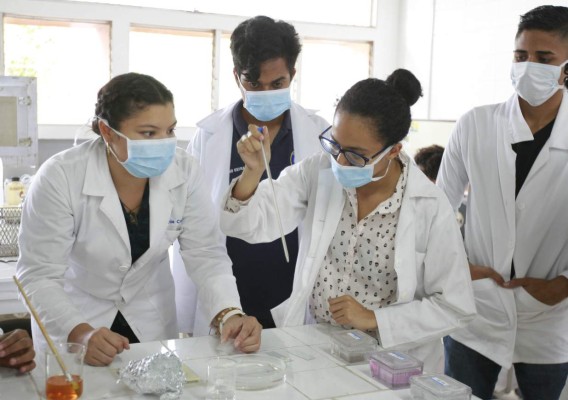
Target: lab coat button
{"points": [[521, 206], [123, 268]]}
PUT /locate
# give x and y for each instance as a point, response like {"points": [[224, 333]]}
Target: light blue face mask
{"points": [[147, 158], [354, 177], [266, 105]]}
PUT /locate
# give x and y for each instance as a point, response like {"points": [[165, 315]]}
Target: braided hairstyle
{"points": [[124, 95]]}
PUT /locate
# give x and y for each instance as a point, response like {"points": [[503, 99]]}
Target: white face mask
{"points": [[535, 82]]}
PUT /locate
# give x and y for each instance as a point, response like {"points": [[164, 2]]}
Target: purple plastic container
{"points": [[394, 368]]}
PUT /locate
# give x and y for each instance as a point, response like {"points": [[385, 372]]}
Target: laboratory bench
{"points": [[312, 372]]}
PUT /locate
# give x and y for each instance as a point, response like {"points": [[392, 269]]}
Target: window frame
{"points": [[122, 18]]}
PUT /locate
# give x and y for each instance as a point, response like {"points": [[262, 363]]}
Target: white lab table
{"points": [[312, 372], [9, 302]]}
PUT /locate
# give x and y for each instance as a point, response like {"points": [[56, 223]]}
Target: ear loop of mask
{"points": [[386, 151], [108, 148]]}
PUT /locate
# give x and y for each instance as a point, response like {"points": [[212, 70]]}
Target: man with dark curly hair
{"points": [[264, 54]]}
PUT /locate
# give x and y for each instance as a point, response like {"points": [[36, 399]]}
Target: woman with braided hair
{"points": [[99, 219]]}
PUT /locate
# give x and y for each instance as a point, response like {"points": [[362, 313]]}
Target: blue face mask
{"points": [[147, 157], [267, 105], [354, 177]]}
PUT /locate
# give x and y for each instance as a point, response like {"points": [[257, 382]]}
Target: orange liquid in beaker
{"points": [[58, 388]]}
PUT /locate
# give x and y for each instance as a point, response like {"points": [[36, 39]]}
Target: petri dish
{"points": [[259, 371]]}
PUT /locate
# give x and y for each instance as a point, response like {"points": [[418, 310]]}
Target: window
{"points": [[228, 89], [328, 69], [356, 13], [69, 59], [181, 60]]}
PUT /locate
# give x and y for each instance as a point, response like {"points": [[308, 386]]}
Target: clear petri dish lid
{"points": [[259, 371], [441, 386], [397, 360], [354, 339]]}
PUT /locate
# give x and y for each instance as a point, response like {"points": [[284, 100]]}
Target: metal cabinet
{"points": [[18, 121]]}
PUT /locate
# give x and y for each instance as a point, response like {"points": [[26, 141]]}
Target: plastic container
{"points": [[259, 371], [394, 368], [438, 387], [352, 345], [15, 192]]}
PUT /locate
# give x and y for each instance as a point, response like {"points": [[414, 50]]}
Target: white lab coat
{"points": [[532, 230], [75, 261], [434, 287], [212, 148]]}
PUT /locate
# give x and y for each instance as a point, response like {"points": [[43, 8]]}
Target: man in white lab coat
{"points": [[264, 54], [515, 157]]}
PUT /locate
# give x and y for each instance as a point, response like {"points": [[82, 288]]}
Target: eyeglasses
{"points": [[353, 158]]}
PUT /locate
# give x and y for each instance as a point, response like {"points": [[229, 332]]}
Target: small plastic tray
{"points": [[438, 387], [352, 345], [259, 371], [394, 368]]}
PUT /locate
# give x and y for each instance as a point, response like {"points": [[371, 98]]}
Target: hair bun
{"points": [[406, 84]]}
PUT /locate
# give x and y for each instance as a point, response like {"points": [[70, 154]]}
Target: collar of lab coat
{"points": [[519, 131], [98, 182], [422, 186], [558, 137]]}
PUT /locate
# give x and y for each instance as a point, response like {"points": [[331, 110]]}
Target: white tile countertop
{"points": [[311, 372]]}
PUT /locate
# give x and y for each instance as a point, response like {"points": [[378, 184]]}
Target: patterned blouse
{"points": [[360, 259]]}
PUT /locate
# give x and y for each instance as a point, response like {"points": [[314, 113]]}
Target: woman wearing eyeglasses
{"points": [[381, 251]]}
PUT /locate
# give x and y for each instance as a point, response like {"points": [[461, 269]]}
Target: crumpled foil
{"points": [[160, 373]]}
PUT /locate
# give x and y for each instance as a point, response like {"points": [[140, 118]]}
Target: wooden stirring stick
{"points": [[68, 376]]}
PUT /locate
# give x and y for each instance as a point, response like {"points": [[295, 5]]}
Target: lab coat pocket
{"points": [[527, 305], [489, 304]]}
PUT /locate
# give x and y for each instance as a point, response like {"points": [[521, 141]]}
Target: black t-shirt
{"points": [[138, 227], [527, 152], [264, 278]]}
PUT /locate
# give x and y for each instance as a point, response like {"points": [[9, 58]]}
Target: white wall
{"points": [[461, 50], [471, 44]]}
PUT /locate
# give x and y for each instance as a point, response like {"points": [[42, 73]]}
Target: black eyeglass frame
{"points": [[345, 153]]}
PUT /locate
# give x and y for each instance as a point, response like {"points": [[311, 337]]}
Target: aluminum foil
{"points": [[160, 373]]}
